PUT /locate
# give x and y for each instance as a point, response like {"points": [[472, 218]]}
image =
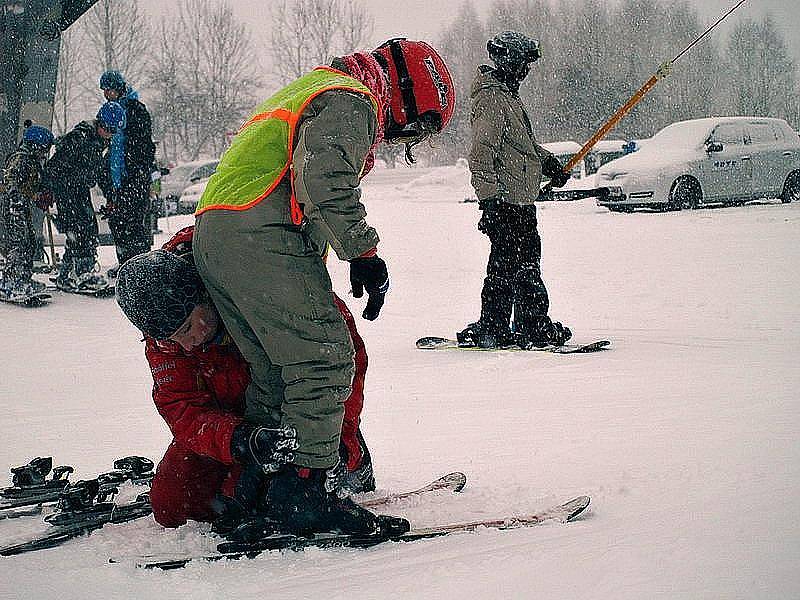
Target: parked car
{"points": [[605, 151], [716, 160], [187, 203], [184, 175]]}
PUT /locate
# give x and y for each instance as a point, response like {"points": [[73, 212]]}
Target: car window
{"points": [[727, 134], [761, 133], [180, 173]]}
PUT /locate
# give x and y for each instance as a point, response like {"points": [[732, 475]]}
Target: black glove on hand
{"points": [[268, 448], [369, 273], [553, 169], [491, 214]]}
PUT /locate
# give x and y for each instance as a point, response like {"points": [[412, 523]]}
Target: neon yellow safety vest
{"points": [[261, 153]]}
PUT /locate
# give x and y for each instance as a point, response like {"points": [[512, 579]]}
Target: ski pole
{"points": [[663, 71], [53, 255]]}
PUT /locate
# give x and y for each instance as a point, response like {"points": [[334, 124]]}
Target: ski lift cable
{"points": [[663, 71]]}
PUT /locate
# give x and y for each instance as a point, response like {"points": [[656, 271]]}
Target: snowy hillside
{"points": [[684, 433]]}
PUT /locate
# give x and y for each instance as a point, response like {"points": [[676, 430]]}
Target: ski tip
{"points": [[455, 481], [576, 506], [431, 342]]}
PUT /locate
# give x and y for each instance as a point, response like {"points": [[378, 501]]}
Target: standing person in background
{"points": [[75, 167], [129, 167], [19, 191], [288, 187], [507, 165]]}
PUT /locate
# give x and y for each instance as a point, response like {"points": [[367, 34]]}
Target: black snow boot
{"points": [[297, 499], [541, 331], [480, 335]]}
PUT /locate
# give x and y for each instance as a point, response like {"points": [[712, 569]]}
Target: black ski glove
{"points": [[268, 448], [491, 214], [370, 273], [553, 169]]}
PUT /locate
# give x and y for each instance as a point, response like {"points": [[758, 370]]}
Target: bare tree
{"points": [[762, 74], [463, 47], [205, 78], [308, 33], [71, 97], [117, 36]]}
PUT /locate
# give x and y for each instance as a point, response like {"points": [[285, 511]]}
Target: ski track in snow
{"points": [[684, 433]]}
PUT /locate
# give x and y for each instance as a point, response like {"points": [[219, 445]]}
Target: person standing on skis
{"points": [[21, 180], [126, 185], [214, 468], [286, 189], [507, 165]]}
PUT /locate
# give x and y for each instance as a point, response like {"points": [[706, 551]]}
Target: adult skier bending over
{"points": [[507, 165], [214, 468], [287, 188]]}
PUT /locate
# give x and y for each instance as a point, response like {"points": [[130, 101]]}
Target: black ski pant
{"points": [[19, 243], [129, 221], [513, 275], [77, 221]]}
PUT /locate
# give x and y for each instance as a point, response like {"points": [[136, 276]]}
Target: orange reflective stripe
{"points": [[279, 113]]}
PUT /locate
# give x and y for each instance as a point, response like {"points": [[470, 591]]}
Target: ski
{"points": [[30, 486], [453, 482], [30, 301], [74, 524], [103, 292], [440, 343], [236, 550]]}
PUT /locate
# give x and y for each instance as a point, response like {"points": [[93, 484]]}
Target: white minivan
{"points": [[715, 160]]}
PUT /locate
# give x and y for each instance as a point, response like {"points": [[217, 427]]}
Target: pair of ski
{"points": [[31, 488], [454, 482]]}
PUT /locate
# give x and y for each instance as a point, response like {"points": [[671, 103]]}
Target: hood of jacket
{"points": [[486, 78]]}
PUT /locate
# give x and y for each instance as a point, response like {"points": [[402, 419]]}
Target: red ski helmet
{"points": [[420, 82]]}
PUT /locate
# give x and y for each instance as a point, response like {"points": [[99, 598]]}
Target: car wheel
{"points": [[791, 189], [685, 193]]}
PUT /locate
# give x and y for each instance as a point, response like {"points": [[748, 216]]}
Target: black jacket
{"points": [[140, 151], [76, 166]]}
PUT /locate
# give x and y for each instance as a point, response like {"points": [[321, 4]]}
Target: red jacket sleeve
{"points": [[355, 401], [191, 411]]}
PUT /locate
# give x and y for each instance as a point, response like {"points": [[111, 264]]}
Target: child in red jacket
{"points": [[217, 460]]}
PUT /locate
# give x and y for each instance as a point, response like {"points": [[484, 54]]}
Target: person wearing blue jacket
{"points": [[130, 160]]}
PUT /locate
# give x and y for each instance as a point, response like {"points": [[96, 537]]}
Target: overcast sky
{"points": [[424, 19]]}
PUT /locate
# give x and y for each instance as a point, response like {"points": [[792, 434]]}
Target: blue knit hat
{"points": [[112, 80], [112, 116], [36, 134]]}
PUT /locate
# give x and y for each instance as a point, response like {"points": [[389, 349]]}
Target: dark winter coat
{"points": [[505, 159], [140, 151], [22, 172], [77, 163]]}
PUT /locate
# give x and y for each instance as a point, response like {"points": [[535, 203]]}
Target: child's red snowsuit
{"points": [[200, 394]]}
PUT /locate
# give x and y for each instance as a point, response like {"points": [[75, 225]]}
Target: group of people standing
{"points": [[257, 365], [114, 151]]}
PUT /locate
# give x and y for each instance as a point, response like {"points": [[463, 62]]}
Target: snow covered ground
{"points": [[684, 433]]}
